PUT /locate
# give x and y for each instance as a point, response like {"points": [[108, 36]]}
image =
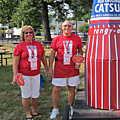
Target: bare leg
{"points": [[55, 96], [34, 105], [71, 95], [26, 105]]}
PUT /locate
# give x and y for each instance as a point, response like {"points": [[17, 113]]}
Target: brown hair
{"points": [[24, 29]]}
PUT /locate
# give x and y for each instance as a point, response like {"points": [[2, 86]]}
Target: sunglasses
{"points": [[28, 32], [67, 25]]}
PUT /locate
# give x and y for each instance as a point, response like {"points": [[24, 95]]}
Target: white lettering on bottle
{"points": [[110, 31], [101, 8], [111, 7], [107, 7], [105, 31], [101, 30], [96, 8], [118, 31], [117, 10]]}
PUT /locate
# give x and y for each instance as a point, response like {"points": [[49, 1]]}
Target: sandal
{"points": [[29, 118], [37, 115]]}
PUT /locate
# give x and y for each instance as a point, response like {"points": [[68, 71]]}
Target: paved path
{"points": [[84, 112]]}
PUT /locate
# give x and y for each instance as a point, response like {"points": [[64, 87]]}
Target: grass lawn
{"points": [[10, 96]]}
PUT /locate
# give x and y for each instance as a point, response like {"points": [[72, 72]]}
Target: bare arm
{"points": [[80, 51], [44, 61], [15, 67], [51, 59]]}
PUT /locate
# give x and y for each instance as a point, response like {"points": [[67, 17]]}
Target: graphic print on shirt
{"points": [[32, 50], [67, 51]]}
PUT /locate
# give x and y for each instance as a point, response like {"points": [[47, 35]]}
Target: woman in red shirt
{"points": [[27, 60]]}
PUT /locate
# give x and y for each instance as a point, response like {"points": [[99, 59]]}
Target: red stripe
{"points": [[89, 84], [118, 43], [99, 72], [104, 21], [113, 73], [93, 83], [118, 47], [93, 72], [113, 86], [106, 85], [119, 82], [106, 73]]}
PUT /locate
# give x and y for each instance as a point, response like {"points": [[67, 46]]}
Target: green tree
{"points": [[53, 5], [52, 27], [26, 12], [84, 29], [81, 10], [29, 11], [59, 10], [26, 8], [6, 10]]}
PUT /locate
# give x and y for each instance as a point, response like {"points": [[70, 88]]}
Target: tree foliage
{"points": [[56, 6], [84, 28], [52, 26], [60, 11], [81, 9], [35, 12], [6, 10], [26, 12]]}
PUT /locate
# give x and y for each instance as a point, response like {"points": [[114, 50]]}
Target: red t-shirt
{"points": [[58, 44], [23, 50]]}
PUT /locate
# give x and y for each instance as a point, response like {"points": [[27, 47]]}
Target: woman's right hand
{"points": [[14, 82]]}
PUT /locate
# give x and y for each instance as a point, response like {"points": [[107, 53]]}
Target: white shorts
{"points": [[71, 81], [31, 87]]}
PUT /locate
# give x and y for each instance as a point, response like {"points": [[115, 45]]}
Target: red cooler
{"points": [[102, 61]]}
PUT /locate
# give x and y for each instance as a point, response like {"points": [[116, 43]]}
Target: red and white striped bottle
{"points": [[102, 69]]}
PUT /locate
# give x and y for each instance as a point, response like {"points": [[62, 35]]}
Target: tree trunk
{"points": [[46, 22]]}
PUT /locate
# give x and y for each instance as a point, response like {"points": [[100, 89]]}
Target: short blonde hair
{"points": [[24, 29]]}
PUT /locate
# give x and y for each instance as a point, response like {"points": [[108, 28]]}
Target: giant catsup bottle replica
{"points": [[102, 78]]}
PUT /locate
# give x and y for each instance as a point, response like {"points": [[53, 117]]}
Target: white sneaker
{"points": [[54, 113], [71, 111]]}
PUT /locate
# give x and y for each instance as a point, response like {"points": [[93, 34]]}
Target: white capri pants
{"points": [[31, 87], [71, 81]]}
